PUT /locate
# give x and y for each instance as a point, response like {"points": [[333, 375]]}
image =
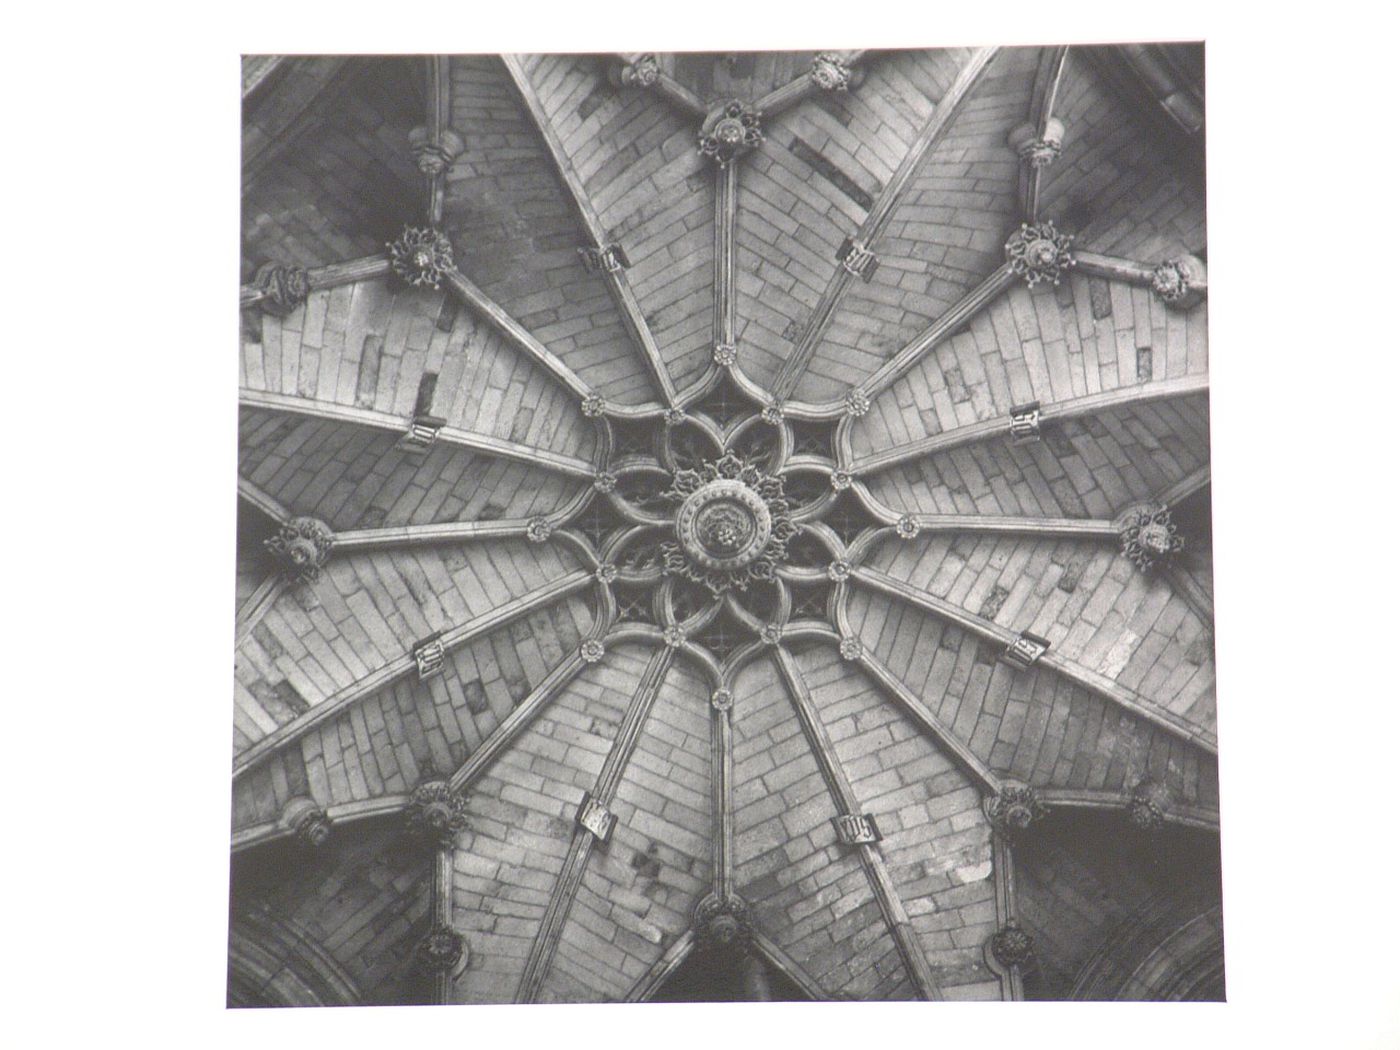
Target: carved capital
{"points": [[440, 951], [730, 131], [420, 256], [1038, 150], [1039, 252], [1148, 537], [301, 548], [434, 156], [435, 813], [643, 71], [1014, 809], [723, 926], [1181, 282], [306, 821], [1012, 946], [1148, 808], [283, 288], [830, 73]]}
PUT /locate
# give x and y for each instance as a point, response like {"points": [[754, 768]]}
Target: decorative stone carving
{"points": [[856, 259], [1148, 537], [1180, 282], [771, 633], [435, 813], [1014, 809], [592, 405], [732, 526], [301, 547], [1025, 650], [851, 648], [421, 256], [1039, 252], [605, 573], [907, 527], [440, 951], [434, 157], [1148, 808], [838, 570], [772, 415], [608, 259], [830, 73], [605, 481], [723, 926], [1038, 150], [539, 530], [422, 434], [430, 655], [591, 651], [841, 480], [726, 355], [730, 131], [1025, 423], [722, 699], [644, 71], [306, 821], [283, 288], [674, 636], [595, 818], [1012, 946], [673, 417], [857, 402], [856, 829]]}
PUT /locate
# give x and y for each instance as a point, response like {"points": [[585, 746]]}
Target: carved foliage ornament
{"points": [[301, 547], [1148, 537], [421, 256], [723, 926], [434, 157], [1179, 282], [644, 72], [1039, 252], [1147, 810], [1015, 809], [283, 288], [1012, 946], [436, 813], [440, 950], [732, 526], [730, 131], [830, 73]]}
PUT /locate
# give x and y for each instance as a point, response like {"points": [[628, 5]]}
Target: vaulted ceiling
{"points": [[491, 743]]}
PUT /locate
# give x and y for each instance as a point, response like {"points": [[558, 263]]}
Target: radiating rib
{"points": [[1048, 77], [920, 713], [621, 288], [536, 457], [886, 895], [514, 333], [257, 498], [604, 790], [988, 428], [1086, 798], [875, 221], [1082, 676], [404, 665]]}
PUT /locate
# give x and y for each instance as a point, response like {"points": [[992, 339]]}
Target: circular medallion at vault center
{"points": [[723, 525]]}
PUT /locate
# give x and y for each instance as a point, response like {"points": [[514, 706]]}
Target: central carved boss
{"points": [[732, 525]]}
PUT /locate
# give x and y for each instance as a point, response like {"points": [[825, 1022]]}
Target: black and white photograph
{"points": [[625, 526], [725, 527]]}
